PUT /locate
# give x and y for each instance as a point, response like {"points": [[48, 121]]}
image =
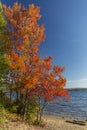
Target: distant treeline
{"points": [[76, 88]]}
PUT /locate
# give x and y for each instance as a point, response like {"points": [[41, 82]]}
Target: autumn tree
{"points": [[29, 75], [25, 35], [50, 85]]}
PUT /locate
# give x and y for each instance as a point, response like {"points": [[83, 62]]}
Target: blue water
{"points": [[76, 108]]}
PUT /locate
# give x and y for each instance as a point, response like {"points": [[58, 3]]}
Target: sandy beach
{"points": [[52, 123]]}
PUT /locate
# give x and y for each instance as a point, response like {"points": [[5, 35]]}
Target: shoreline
{"points": [[58, 123], [51, 123], [66, 117]]}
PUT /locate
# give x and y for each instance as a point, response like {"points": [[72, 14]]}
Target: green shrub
{"points": [[13, 108], [2, 117], [39, 122], [32, 110]]}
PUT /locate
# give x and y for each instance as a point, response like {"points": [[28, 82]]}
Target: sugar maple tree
{"points": [[29, 75]]}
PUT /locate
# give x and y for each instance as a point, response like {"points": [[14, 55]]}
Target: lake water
{"points": [[76, 108]]}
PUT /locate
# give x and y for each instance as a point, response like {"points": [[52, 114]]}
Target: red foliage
{"points": [[36, 75]]}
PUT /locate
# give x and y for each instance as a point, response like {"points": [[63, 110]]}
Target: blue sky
{"points": [[66, 29]]}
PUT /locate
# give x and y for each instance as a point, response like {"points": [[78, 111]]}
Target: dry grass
{"points": [[52, 123]]}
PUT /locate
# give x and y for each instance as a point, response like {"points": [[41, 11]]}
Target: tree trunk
{"points": [[25, 104], [17, 97], [41, 109]]}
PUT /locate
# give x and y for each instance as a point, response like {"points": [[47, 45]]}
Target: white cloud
{"points": [[75, 81], [85, 79]]}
